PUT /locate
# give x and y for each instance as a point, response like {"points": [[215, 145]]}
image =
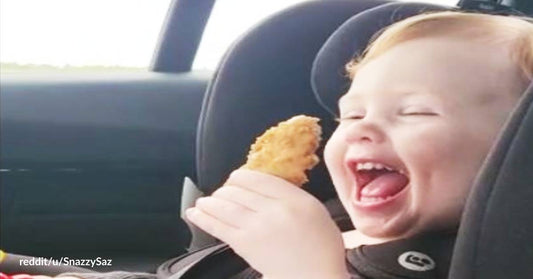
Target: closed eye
{"points": [[349, 117], [419, 114], [418, 110]]}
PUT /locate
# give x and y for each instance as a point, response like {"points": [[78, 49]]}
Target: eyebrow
{"points": [[345, 98], [354, 97]]}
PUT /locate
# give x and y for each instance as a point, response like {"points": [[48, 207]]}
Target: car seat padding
{"points": [[328, 76], [495, 238], [264, 78]]}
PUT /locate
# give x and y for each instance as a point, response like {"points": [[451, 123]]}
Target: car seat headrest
{"points": [[505, 7], [263, 79], [328, 78]]}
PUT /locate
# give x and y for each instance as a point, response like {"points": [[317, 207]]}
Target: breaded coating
{"points": [[287, 150]]}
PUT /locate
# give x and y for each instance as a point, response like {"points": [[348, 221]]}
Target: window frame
{"points": [[180, 36]]}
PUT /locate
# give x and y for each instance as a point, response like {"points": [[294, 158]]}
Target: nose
{"points": [[364, 131]]}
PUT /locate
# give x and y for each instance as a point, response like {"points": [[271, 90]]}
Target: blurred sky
{"points": [[222, 30], [80, 32], [116, 32]]}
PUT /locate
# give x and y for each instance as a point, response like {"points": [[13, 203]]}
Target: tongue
{"points": [[387, 184]]}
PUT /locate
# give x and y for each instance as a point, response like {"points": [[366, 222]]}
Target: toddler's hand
{"points": [[279, 229]]}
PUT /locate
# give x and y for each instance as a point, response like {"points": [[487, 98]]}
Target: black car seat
{"points": [[264, 78]]}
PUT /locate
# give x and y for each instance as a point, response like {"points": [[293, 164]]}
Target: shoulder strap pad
{"points": [[214, 262]]}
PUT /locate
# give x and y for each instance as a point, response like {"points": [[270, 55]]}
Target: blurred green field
{"points": [[6, 68]]}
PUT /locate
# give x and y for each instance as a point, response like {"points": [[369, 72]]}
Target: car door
{"points": [[92, 164]]}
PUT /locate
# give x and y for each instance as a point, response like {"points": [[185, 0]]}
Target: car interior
{"points": [[101, 166]]}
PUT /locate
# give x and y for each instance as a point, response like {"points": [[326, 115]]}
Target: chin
{"points": [[390, 229]]}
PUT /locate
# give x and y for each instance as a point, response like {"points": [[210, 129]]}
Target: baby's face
{"points": [[429, 109]]}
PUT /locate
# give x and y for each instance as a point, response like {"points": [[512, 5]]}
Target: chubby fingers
{"points": [[230, 213], [210, 224], [219, 217], [249, 199]]}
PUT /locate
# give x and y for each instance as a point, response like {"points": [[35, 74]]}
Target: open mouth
{"points": [[377, 183]]}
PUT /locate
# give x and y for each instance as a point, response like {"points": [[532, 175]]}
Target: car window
{"points": [[79, 35], [227, 22]]}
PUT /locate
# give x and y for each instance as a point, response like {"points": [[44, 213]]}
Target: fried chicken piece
{"points": [[287, 150]]}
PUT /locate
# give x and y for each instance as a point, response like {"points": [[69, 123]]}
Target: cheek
{"points": [[334, 153], [433, 158], [426, 148], [439, 179], [444, 161], [446, 149]]}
